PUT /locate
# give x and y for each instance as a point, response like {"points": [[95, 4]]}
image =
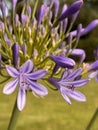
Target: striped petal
{"points": [[21, 99], [73, 75], [12, 71], [26, 67], [76, 95], [37, 88], [77, 83], [10, 87], [63, 93]]}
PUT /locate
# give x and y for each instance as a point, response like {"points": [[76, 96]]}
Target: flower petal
{"points": [[21, 99], [63, 93], [73, 75], [77, 83], [37, 88], [26, 67], [93, 74], [74, 94], [12, 71], [36, 74], [10, 87]]}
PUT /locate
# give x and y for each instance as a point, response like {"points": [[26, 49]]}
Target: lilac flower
{"points": [[63, 62], [27, 81], [15, 52], [75, 7], [69, 81], [80, 53]]}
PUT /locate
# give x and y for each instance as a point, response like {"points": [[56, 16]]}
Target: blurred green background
{"points": [[52, 112]]}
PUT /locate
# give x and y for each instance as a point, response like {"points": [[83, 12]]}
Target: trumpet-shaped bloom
{"points": [[27, 80], [68, 83]]}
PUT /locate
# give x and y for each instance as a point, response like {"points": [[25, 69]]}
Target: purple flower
{"points": [[68, 83], [80, 53], [75, 7], [27, 80], [63, 62], [15, 52]]}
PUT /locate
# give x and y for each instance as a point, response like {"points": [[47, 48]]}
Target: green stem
{"points": [[14, 118], [93, 119]]}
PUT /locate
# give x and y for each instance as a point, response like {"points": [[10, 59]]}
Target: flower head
{"points": [[27, 80], [69, 81]]}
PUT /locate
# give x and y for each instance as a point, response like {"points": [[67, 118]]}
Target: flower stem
{"points": [[14, 118]]}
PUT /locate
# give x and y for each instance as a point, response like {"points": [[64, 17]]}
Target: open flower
{"points": [[68, 83], [27, 81]]}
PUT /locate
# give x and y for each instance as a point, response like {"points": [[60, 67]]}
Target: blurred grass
{"points": [[52, 112]]}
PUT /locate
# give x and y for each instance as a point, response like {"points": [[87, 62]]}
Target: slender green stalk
{"points": [[14, 118], [93, 119]]}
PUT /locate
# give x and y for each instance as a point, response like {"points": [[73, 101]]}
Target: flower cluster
{"points": [[35, 48]]}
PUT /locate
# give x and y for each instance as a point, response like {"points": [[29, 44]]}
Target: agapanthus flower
{"points": [[68, 83], [27, 80]]}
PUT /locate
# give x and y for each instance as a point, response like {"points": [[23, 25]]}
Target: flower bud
{"points": [[15, 53], [76, 6], [63, 62], [14, 2], [56, 7], [24, 19]]}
